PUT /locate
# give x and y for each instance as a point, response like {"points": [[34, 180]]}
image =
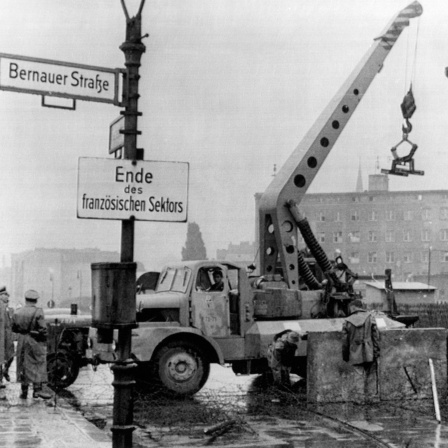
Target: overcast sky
{"points": [[230, 86]]}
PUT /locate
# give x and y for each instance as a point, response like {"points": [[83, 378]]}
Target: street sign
{"points": [[116, 139], [63, 79], [144, 191]]}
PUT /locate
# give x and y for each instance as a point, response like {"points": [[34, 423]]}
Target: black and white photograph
{"points": [[224, 223]]}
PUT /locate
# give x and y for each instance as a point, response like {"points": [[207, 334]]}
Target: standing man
{"points": [[6, 337], [29, 323], [281, 356], [361, 347]]}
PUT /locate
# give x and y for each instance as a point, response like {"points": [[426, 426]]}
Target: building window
{"points": [[408, 215], [426, 213], [373, 215], [321, 237], [407, 257], [372, 257], [390, 257], [426, 235], [444, 213], [354, 216], [444, 257], [372, 236], [337, 237], [390, 215], [407, 235], [444, 235], [338, 217], [321, 216], [424, 256], [354, 237], [354, 258], [390, 236], [355, 198]]}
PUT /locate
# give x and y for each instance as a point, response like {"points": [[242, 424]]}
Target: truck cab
{"points": [[196, 325]]}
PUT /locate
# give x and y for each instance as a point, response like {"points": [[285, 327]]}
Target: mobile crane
{"points": [[183, 326]]}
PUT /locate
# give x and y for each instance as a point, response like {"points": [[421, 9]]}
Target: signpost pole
{"points": [[124, 368]]}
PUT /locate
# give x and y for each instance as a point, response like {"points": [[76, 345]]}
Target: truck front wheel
{"points": [[181, 368]]}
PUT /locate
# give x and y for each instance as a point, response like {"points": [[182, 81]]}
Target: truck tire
{"points": [[181, 368], [62, 370]]}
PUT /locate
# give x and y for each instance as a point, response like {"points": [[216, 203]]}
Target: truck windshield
{"points": [[174, 280]]}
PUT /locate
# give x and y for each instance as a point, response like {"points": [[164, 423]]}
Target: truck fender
{"points": [[147, 339]]}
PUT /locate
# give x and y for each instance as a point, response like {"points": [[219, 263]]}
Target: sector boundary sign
{"points": [[142, 190]]}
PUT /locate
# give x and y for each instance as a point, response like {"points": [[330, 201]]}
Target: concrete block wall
{"points": [[402, 372]]}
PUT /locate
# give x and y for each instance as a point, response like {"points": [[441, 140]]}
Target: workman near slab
{"points": [[361, 348], [29, 323], [281, 356], [6, 336]]}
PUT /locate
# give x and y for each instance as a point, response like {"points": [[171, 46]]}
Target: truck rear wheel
{"points": [[181, 368]]}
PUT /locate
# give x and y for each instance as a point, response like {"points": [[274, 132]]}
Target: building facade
{"points": [[241, 254], [62, 276], [378, 229]]}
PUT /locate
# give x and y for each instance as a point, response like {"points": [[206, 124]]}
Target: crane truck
{"points": [[183, 326]]}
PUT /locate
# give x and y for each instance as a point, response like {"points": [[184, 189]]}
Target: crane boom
{"points": [[277, 226]]}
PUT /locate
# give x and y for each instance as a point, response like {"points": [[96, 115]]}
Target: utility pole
{"points": [[124, 367]]}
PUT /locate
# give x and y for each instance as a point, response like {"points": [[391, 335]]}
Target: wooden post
{"points": [[434, 391]]}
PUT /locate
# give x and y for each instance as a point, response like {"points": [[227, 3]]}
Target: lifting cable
{"points": [[408, 107]]}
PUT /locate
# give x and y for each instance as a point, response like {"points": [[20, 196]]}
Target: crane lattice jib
{"points": [[277, 228]]}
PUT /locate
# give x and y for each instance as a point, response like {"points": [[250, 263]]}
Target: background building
{"points": [[378, 229], [61, 275], [241, 254]]}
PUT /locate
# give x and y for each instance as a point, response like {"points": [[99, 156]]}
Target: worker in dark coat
{"points": [[281, 356], [6, 336], [361, 347], [29, 323]]}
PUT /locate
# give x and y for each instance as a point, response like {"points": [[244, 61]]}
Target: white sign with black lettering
{"points": [[146, 191], [63, 79]]}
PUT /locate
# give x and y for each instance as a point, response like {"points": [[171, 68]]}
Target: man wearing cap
{"points": [[29, 323], [281, 356], [6, 337]]}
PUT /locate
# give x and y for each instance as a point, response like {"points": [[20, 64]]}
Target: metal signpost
{"points": [[124, 367]]}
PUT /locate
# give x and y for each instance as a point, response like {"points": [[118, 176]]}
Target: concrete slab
{"points": [[404, 363], [402, 372]]}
